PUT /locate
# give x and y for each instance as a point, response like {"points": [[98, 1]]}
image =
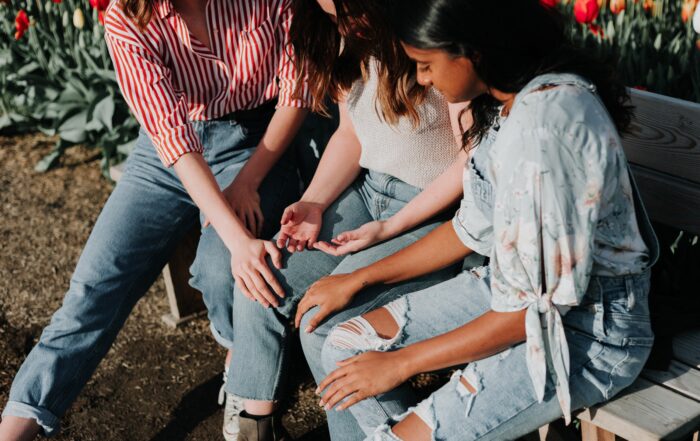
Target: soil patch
{"points": [[156, 383]]}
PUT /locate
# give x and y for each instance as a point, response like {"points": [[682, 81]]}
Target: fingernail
{"points": [[320, 403], [318, 391], [327, 407], [308, 331]]}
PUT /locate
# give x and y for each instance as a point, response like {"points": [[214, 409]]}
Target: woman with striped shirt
{"points": [[211, 84]]}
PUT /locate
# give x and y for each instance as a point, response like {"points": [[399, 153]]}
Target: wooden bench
{"points": [[664, 151]]}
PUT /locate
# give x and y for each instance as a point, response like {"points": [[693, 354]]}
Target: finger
{"points": [[206, 223], [344, 389], [317, 319], [270, 279], [261, 287], [292, 245], [326, 248], [282, 239], [347, 361], [301, 245], [254, 291], [259, 218], [329, 380], [312, 240], [243, 288], [250, 222], [302, 307], [287, 216], [275, 255], [352, 400]]}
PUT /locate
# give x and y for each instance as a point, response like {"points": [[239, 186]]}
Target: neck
{"points": [[504, 98]]}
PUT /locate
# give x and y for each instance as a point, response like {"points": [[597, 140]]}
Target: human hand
{"points": [[245, 201], [355, 240], [330, 294], [251, 273], [301, 224], [362, 376]]}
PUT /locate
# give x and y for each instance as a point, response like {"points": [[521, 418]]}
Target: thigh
{"points": [[300, 270]]}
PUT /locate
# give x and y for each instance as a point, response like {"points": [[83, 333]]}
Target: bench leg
{"points": [[589, 432], [185, 302]]}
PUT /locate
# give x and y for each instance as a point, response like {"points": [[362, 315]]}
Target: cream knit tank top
{"points": [[415, 155]]}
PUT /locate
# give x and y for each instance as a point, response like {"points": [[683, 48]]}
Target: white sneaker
{"points": [[233, 405]]}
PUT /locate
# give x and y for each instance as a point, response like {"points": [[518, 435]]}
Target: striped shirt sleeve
{"points": [[145, 82], [287, 72]]}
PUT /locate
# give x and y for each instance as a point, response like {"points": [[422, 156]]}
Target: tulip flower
{"points": [[585, 11], [549, 3], [617, 6], [21, 24], [687, 10], [78, 19]]}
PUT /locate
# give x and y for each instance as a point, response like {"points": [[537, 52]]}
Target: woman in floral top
{"points": [[558, 320]]}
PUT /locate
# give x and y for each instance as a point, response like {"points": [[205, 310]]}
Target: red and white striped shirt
{"points": [[169, 78]]}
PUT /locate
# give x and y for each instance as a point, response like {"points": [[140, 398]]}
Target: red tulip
{"points": [[648, 5], [586, 11], [687, 10], [617, 6], [100, 5], [549, 3], [21, 24]]}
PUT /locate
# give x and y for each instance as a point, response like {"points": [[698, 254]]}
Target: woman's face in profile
{"points": [[454, 77]]}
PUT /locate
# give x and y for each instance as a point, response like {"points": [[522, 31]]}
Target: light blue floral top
{"points": [[554, 206]]}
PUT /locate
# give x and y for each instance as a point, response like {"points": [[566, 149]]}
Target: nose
{"points": [[423, 79]]}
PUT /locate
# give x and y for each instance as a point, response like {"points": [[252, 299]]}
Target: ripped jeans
{"points": [[609, 337]]}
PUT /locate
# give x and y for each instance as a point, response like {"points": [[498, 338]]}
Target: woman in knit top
{"points": [[392, 165]]}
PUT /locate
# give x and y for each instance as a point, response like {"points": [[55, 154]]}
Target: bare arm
{"points": [[339, 166], [373, 373]]}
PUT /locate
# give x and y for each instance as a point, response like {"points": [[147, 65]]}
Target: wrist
{"points": [[406, 363], [392, 227]]}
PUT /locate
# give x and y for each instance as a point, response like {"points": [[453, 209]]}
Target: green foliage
{"points": [[58, 78], [652, 46]]}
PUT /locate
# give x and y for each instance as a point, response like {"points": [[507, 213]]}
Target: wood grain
{"points": [[665, 135]]}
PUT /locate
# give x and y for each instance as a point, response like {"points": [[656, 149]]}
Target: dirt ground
{"points": [[156, 383]]}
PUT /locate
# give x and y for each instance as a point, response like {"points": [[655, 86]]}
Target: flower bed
{"points": [[56, 75]]}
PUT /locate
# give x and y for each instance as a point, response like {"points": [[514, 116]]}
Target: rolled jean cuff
{"points": [[228, 344], [48, 422]]}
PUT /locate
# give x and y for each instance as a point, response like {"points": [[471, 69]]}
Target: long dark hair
{"points": [[332, 56], [510, 42]]}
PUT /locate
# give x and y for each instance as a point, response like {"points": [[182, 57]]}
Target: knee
{"points": [[211, 275], [312, 342], [377, 330]]}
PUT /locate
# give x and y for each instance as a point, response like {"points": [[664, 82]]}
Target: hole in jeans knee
{"points": [[372, 331], [468, 386]]}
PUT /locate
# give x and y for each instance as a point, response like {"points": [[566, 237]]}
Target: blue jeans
{"points": [[143, 219], [609, 337], [260, 359]]}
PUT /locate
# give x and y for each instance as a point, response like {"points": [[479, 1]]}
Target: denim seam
{"points": [[94, 345], [613, 371]]}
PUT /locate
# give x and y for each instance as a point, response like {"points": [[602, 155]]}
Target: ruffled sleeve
{"points": [[548, 190]]}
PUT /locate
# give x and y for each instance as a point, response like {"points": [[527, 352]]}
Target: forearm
{"points": [[338, 168], [284, 125], [200, 184], [444, 191], [478, 339], [438, 249]]}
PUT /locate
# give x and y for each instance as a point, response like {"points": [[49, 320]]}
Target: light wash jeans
{"points": [[144, 218], [609, 337], [260, 360]]}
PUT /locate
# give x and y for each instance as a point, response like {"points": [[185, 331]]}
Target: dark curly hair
{"points": [[510, 42]]}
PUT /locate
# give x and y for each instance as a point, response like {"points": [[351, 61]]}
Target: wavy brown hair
{"points": [[332, 56], [140, 11]]}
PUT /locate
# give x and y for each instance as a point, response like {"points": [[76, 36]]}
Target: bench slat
{"points": [[665, 135], [646, 412], [669, 200], [680, 377], [686, 347]]}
